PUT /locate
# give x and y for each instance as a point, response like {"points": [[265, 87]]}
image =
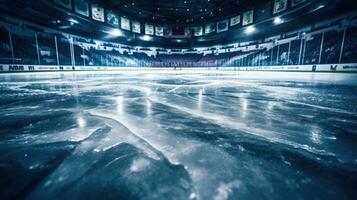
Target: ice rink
{"points": [[247, 135]]}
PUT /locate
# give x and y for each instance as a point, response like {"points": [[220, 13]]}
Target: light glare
{"points": [[146, 38], [116, 32], [250, 29], [278, 21]]}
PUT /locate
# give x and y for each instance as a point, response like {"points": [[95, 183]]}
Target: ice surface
{"points": [[247, 135]]}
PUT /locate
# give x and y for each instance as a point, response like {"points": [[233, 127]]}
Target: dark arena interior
{"points": [[178, 99]]}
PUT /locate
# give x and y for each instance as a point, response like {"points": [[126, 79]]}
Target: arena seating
{"points": [[35, 48]]}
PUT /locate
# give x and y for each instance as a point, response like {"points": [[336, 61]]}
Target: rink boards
{"points": [[295, 68]]}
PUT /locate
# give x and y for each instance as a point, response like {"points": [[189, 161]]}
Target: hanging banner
{"points": [[222, 26], [210, 28], [112, 19], [188, 32], [197, 31], [82, 7], [159, 31], [149, 29], [98, 13], [247, 18], [135, 26], [125, 23], [280, 6], [235, 20]]}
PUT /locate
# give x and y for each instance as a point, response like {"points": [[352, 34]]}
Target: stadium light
{"points": [[321, 6], [72, 21], [146, 38], [278, 20], [116, 32], [250, 30]]}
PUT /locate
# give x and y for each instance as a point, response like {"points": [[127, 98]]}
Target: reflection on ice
{"points": [[81, 121], [139, 165], [200, 99], [120, 105], [140, 136], [315, 135], [148, 107], [224, 190]]}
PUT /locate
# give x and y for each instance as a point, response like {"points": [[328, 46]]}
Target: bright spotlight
{"points": [[73, 21], [116, 32], [278, 21], [146, 38], [321, 6], [249, 30]]}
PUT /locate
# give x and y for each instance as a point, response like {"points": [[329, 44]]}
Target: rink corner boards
{"points": [[347, 68]]}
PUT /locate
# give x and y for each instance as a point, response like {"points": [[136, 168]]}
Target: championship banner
{"points": [[82, 7], [135, 27], [112, 19], [247, 18], [64, 3], [125, 23], [222, 26], [296, 2], [197, 31], [210, 28], [98, 13], [280, 6], [159, 31], [170, 31], [188, 32], [149, 29], [235, 20]]}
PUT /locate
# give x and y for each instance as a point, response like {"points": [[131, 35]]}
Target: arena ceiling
{"points": [[47, 15], [176, 12]]}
